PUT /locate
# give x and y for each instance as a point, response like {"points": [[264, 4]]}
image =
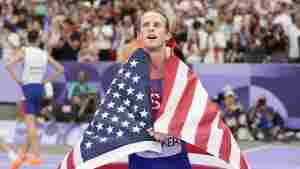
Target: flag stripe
{"points": [[215, 138], [243, 162], [234, 153], [226, 143], [77, 153], [190, 128], [163, 122], [168, 83], [70, 161], [204, 127], [183, 108]]}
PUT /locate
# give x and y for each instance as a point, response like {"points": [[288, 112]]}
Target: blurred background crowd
{"points": [[206, 31]]}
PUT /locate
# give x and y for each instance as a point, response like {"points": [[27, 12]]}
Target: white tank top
{"points": [[35, 65]]}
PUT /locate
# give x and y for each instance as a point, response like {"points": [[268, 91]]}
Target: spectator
{"points": [[68, 50], [80, 98], [212, 44], [277, 44], [234, 115], [294, 41]]}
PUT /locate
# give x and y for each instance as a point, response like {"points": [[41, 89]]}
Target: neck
{"points": [[157, 58]]}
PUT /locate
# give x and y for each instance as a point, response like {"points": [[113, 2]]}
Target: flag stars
{"points": [[114, 81], [89, 133], [111, 105], [130, 91], [121, 86], [133, 63], [130, 115], [125, 124], [116, 95], [136, 129], [135, 107], [108, 91], [110, 129], [127, 75], [99, 126], [121, 71], [139, 96], [103, 139], [142, 124], [136, 78], [144, 113], [127, 102], [115, 119], [88, 145], [120, 133], [121, 109], [104, 115]]}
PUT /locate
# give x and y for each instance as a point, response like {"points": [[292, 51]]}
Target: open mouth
{"points": [[151, 37]]}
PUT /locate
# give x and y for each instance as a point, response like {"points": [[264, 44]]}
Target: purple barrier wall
{"points": [[278, 82]]}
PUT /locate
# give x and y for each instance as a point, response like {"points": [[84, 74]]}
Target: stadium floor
{"points": [[260, 155]]}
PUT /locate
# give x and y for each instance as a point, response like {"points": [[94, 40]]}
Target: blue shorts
{"points": [[33, 98], [178, 161]]}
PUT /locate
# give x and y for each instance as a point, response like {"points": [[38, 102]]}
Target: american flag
{"points": [[119, 125]]}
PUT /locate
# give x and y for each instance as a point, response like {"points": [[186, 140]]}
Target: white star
{"points": [[105, 115], [125, 124], [108, 91], [103, 139], [136, 129], [133, 63], [144, 113], [115, 119], [121, 109], [109, 129], [99, 126], [120, 133], [97, 112], [116, 95], [89, 133], [139, 96], [142, 124], [102, 101], [114, 81], [111, 105], [130, 115], [135, 107], [136, 79], [127, 102], [121, 86], [127, 75], [88, 145], [130, 91], [121, 71]]}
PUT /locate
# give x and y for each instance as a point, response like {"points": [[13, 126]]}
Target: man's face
{"points": [[153, 30]]}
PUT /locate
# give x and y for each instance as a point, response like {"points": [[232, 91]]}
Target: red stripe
{"points": [[243, 163], [70, 161], [183, 108], [204, 126], [226, 143], [169, 79]]}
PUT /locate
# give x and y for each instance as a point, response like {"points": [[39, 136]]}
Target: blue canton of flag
{"points": [[121, 120]]}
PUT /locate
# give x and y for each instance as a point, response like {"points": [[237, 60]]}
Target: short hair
{"points": [[159, 11], [33, 36]]}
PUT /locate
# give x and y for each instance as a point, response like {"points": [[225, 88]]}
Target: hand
{"points": [[157, 136]]}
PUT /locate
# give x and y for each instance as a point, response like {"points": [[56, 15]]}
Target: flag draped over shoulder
{"points": [[119, 126]]}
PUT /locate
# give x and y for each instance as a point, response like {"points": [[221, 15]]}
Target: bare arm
{"points": [[10, 65], [59, 69]]}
